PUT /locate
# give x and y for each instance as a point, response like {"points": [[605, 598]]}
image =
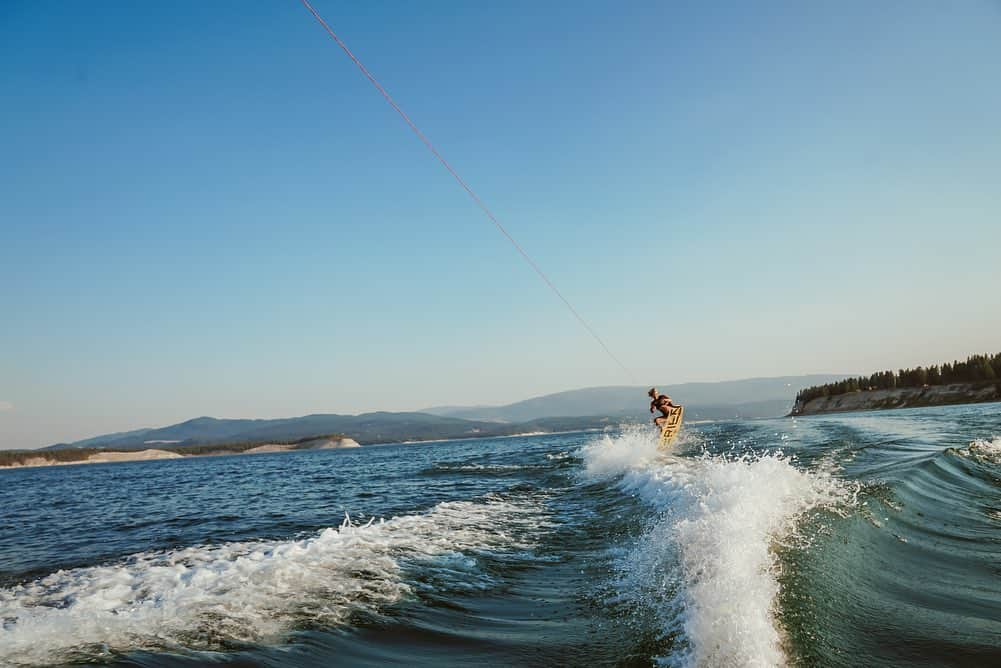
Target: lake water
{"points": [[865, 539]]}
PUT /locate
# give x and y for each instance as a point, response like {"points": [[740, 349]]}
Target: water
{"points": [[868, 539]]}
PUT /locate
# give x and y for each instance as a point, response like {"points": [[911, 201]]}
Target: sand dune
{"points": [[140, 455], [98, 458], [315, 444]]}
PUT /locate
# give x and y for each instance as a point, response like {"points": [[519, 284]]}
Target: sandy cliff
{"points": [[43, 459], [99, 458], [315, 444], [905, 397]]}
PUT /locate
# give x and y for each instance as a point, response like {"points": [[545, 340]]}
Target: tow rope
{"points": [[479, 202]]}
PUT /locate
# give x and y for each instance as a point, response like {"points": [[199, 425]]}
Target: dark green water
{"points": [[866, 539]]}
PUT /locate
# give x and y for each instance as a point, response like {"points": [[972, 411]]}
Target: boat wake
{"points": [[705, 565], [211, 597]]}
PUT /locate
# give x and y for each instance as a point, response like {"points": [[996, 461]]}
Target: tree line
{"points": [[14, 457], [976, 368]]}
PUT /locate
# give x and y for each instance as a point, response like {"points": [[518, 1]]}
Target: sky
{"points": [[205, 209]]}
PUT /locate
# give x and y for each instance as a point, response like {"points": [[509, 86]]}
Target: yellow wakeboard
{"points": [[669, 431]]}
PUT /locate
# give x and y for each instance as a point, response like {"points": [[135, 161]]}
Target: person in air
{"points": [[662, 403]]}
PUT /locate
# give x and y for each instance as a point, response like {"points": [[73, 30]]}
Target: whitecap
{"points": [[984, 450], [706, 564], [206, 596]]}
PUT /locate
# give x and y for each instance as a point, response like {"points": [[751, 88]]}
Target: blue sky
{"points": [[205, 209]]}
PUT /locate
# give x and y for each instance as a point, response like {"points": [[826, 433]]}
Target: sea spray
{"points": [[211, 596], [705, 564], [984, 450]]}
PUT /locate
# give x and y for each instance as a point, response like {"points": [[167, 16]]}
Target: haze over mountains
{"points": [[587, 408], [751, 397], [366, 429]]}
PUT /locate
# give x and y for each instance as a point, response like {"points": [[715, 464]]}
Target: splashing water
{"points": [[984, 450], [705, 565], [202, 596]]}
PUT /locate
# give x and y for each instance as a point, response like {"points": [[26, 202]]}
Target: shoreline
{"points": [[264, 448], [151, 454], [41, 461], [109, 457], [44, 458], [487, 438], [905, 397]]}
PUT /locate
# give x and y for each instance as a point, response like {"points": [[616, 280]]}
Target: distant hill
{"points": [[752, 397], [367, 428], [90, 442], [589, 408]]}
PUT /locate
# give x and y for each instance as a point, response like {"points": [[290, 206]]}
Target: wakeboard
{"points": [[671, 427]]}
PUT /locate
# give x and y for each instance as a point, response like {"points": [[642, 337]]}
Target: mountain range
{"points": [[751, 397], [589, 408], [366, 429]]}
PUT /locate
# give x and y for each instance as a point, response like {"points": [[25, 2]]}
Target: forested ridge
{"points": [[976, 368]]}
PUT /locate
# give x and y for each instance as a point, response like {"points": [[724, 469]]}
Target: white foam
{"points": [[487, 468], [989, 451], [635, 448], [706, 566], [200, 597]]}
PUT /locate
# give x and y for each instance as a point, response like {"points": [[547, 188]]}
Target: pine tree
{"points": [[974, 368]]}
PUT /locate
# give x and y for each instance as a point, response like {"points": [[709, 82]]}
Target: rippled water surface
{"points": [[865, 539]]}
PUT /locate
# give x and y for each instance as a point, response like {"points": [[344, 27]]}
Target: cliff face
{"points": [[904, 397], [96, 458]]}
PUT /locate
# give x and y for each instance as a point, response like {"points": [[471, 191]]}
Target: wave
{"points": [[479, 468], [705, 565], [984, 450], [208, 597]]}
